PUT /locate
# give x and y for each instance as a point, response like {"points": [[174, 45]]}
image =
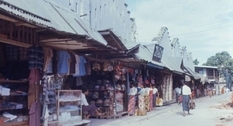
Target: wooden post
{"points": [[18, 33], [11, 31]]}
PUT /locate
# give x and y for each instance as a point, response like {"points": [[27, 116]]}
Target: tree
{"points": [[221, 58], [229, 64], [195, 62]]}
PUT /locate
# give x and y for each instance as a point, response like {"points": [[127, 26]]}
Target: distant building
{"points": [[210, 72]]}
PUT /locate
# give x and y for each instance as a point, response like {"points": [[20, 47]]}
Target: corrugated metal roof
{"points": [[130, 45], [57, 17], [145, 54], [213, 67], [126, 45], [163, 39]]}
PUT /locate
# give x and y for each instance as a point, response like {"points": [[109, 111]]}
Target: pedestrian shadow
{"points": [[179, 113]]}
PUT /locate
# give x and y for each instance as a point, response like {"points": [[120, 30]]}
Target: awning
{"points": [[113, 39], [51, 16], [154, 65], [194, 74]]}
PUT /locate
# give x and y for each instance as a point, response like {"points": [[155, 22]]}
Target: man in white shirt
{"points": [[186, 96], [155, 90], [91, 109]]}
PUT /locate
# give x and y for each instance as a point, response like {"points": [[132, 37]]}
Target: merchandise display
{"points": [[13, 101], [69, 107]]}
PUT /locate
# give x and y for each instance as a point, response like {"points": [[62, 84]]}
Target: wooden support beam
{"points": [[18, 33], [13, 42], [56, 40], [31, 35], [11, 31], [28, 34], [23, 33], [3, 36], [25, 24], [7, 18]]}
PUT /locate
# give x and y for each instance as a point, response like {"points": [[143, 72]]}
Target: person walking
{"points": [[186, 96]]}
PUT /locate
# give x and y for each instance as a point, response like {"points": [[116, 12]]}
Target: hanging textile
{"points": [[36, 57], [48, 60], [23, 54], [80, 66], [167, 88], [88, 68], [72, 63], [34, 114], [34, 87], [63, 62], [12, 53]]}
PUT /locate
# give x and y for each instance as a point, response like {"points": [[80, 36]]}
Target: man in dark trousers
{"points": [[186, 96], [91, 109]]}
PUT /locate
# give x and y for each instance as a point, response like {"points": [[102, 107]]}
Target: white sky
{"points": [[205, 27]]}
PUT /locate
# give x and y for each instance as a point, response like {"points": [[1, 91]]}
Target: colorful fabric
{"points": [[151, 99], [141, 106], [34, 87], [63, 60], [12, 52], [34, 113], [23, 54], [72, 63], [35, 57], [147, 103], [48, 61], [80, 66], [131, 105]]}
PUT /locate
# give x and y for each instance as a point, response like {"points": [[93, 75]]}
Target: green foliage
{"points": [[195, 62], [221, 58], [229, 64]]}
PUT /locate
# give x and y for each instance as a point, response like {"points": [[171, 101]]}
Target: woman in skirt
{"points": [[132, 100]]}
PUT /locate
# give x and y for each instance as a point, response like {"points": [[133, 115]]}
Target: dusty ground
{"points": [[214, 111]]}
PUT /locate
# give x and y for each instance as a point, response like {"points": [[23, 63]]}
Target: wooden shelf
{"points": [[51, 122], [99, 90], [23, 123], [2, 109], [12, 81]]}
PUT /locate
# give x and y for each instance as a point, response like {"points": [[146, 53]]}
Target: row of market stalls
{"points": [[49, 48]]}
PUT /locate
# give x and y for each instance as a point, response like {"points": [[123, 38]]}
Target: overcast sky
{"points": [[205, 27]]}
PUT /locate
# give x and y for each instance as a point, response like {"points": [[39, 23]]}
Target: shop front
{"points": [[38, 77]]}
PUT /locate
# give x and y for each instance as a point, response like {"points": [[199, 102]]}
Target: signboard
{"points": [[158, 53]]}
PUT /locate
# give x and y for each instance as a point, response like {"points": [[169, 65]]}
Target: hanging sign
{"points": [[158, 53]]}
